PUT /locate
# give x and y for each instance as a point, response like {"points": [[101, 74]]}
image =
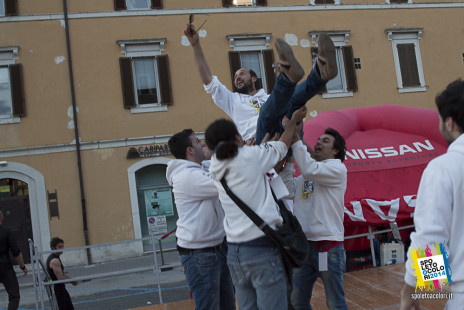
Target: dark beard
{"points": [[245, 89]]}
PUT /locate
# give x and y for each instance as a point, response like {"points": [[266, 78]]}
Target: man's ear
{"points": [[189, 152], [254, 79], [450, 125]]}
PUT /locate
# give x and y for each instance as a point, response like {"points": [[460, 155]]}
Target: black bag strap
{"points": [[255, 218]]}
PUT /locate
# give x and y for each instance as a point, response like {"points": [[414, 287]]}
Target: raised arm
{"points": [[291, 129], [202, 65]]}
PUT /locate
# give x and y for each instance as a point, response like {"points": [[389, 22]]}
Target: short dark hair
{"points": [[54, 242], [450, 103], [339, 143], [220, 136], [179, 143]]}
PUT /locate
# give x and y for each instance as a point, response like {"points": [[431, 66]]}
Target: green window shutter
{"points": [[17, 90], [120, 5], [164, 79], [268, 58], [11, 7], [348, 59], [127, 81], [408, 65], [235, 64], [156, 4]]}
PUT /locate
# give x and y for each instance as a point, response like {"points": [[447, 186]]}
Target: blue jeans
{"points": [[305, 276], [285, 99], [209, 280], [259, 277]]}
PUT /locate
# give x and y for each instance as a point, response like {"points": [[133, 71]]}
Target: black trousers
{"points": [[62, 297], [10, 282]]}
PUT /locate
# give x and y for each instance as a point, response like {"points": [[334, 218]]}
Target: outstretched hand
{"points": [[299, 114], [191, 34]]}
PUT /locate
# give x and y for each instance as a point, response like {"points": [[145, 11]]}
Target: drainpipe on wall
{"points": [[76, 133]]}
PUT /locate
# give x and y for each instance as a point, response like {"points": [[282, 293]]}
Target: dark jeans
{"points": [[10, 282], [285, 99], [62, 297]]}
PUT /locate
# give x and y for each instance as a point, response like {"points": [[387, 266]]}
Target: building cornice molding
{"points": [[112, 14]]}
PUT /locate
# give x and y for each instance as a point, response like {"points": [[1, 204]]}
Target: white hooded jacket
{"points": [[200, 222], [246, 177], [242, 109], [440, 210]]}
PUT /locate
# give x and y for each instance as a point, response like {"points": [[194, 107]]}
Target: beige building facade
{"points": [[134, 83]]}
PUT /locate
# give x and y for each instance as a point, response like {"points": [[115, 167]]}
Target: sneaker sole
{"points": [[285, 52]]}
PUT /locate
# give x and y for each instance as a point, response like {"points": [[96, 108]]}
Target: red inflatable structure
{"points": [[388, 148]]}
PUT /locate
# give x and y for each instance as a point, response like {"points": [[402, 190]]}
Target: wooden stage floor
{"points": [[376, 288]]}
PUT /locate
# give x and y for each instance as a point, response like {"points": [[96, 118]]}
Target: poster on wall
{"points": [[159, 202]]}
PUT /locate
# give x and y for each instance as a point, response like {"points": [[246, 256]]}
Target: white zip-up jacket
{"points": [[318, 194], [200, 223], [246, 177], [440, 211], [242, 109]]}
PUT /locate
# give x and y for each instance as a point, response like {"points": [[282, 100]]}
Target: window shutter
{"points": [[351, 82], [156, 4], [324, 2], [398, 1], [235, 64], [17, 90], [164, 79], [261, 2], [120, 5], [127, 81], [268, 58], [408, 65], [314, 52], [11, 7], [227, 3]]}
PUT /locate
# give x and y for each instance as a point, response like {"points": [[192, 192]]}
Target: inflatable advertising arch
{"points": [[388, 147]]}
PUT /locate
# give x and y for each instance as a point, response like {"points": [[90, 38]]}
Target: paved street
{"points": [[117, 292]]}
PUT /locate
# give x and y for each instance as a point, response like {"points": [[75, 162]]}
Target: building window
{"points": [[345, 83], [120, 5], [407, 57], [8, 7], [145, 75], [229, 3], [317, 2], [397, 1], [12, 104], [357, 63], [250, 51]]}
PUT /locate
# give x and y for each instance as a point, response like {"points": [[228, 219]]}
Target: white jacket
{"points": [[201, 217], [242, 109], [246, 177], [440, 211], [318, 194]]}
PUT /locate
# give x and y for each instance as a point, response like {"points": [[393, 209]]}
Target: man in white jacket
{"points": [[318, 195], [200, 231], [440, 202], [255, 112]]}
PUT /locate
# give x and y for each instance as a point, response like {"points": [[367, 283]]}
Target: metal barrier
{"points": [[371, 235], [42, 282]]}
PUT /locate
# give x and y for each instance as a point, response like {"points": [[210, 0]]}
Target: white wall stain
{"points": [[305, 43], [71, 124], [202, 33], [63, 24], [184, 41], [313, 113], [105, 153], [59, 59], [291, 39], [71, 117]]}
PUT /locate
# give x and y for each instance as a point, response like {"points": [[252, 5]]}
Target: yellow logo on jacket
{"points": [[307, 190]]}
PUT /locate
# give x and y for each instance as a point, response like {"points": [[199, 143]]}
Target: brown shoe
{"points": [[288, 63], [327, 58]]}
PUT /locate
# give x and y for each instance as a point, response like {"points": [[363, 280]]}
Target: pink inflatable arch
{"points": [[388, 147]]}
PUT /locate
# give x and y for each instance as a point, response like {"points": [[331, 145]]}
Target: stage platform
{"points": [[376, 288]]}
